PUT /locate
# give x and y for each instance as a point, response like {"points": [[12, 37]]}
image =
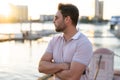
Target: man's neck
{"points": [[69, 34]]}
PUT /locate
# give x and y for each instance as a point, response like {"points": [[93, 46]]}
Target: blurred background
{"points": [[26, 28], [13, 10]]}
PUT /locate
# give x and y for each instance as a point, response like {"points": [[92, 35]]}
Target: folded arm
{"points": [[47, 66], [74, 73]]}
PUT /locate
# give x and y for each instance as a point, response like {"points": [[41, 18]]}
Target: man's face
{"points": [[59, 22]]}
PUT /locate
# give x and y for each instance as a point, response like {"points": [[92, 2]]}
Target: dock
{"points": [[26, 35]]}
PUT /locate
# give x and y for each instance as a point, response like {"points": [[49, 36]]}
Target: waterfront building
{"points": [[98, 10], [19, 12], [46, 18]]}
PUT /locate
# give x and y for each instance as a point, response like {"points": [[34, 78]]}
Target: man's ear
{"points": [[67, 19]]}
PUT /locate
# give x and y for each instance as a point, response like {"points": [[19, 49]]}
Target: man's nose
{"points": [[53, 20]]}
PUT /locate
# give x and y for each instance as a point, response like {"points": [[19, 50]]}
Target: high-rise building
{"points": [[101, 10], [98, 10], [19, 12]]}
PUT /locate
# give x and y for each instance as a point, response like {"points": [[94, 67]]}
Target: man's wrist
{"points": [[64, 66]]}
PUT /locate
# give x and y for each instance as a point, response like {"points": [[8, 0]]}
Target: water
{"points": [[19, 60]]}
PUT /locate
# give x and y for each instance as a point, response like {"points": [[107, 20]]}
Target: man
{"points": [[68, 54]]}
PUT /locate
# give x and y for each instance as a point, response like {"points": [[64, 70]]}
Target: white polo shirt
{"points": [[78, 49]]}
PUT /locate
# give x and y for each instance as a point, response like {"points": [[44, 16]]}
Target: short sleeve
{"points": [[83, 53], [49, 48]]}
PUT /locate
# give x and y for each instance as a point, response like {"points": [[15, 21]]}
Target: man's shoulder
{"points": [[84, 39]]}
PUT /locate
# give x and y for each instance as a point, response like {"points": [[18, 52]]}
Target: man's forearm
{"points": [[64, 75], [67, 75], [51, 68]]}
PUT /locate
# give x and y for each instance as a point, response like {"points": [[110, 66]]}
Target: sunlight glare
{"points": [[4, 9]]}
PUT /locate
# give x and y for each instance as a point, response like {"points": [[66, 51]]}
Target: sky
{"points": [[38, 7], [86, 7]]}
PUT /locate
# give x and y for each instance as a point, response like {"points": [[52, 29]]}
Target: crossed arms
{"points": [[64, 71]]}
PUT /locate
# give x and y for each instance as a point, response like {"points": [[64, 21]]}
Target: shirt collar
{"points": [[76, 36]]}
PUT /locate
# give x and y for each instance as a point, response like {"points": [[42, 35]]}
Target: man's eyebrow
{"points": [[56, 16]]}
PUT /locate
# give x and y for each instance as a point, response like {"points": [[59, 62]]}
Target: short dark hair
{"points": [[69, 10]]}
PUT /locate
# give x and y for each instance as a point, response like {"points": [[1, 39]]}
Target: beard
{"points": [[60, 28]]}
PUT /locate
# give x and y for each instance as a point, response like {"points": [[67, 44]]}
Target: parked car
{"points": [[114, 21]]}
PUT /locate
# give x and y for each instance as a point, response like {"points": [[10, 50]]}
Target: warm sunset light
{"points": [[4, 9], [36, 8]]}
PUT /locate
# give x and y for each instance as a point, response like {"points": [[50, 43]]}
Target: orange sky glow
{"points": [[86, 7]]}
